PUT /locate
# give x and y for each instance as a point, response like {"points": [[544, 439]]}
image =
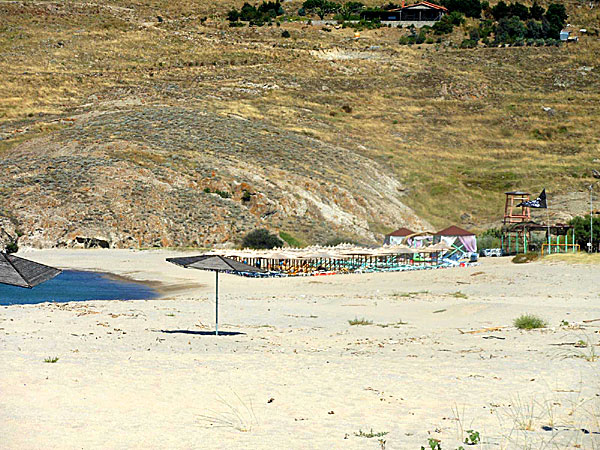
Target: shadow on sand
{"points": [[203, 333]]}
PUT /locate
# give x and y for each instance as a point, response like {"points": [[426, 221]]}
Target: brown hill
{"points": [[113, 123], [175, 176]]}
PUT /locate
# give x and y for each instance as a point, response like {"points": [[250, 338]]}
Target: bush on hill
{"points": [[447, 22], [265, 12], [510, 30], [12, 247], [261, 239]]}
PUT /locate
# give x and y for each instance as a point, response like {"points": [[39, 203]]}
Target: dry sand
{"points": [[138, 374]]}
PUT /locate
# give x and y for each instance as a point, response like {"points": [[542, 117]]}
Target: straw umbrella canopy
{"points": [[24, 273], [215, 263]]}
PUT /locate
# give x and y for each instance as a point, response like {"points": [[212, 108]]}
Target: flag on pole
{"points": [[539, 202]]}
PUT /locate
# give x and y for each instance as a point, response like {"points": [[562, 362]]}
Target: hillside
{"points": [[113, 124]]}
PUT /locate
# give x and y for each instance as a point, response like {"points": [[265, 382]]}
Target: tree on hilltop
{"points": [[320, 7]]}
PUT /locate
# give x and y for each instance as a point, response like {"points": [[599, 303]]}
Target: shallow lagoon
{"points": [[76, 286]]}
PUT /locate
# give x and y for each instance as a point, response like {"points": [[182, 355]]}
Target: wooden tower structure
{"points": [[514, 238]]}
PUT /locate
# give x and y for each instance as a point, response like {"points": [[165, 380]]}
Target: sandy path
{"points": [[127, 378]]}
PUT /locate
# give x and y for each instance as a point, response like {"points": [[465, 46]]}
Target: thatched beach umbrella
{"points": [[216, 263], [24, 273]]}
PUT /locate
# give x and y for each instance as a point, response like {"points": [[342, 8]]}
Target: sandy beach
{"points": [[440, 357]]}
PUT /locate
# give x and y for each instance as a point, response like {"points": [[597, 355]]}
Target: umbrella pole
{"points": [[217, 303]]}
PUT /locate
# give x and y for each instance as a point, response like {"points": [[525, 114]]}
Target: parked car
{"points": [[492, 252]]}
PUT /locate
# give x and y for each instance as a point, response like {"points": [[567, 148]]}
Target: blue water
{"points": [[76, 286]]}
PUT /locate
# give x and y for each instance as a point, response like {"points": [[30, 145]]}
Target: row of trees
{"points": [[265, 12], [345, 11], [516, 24]]}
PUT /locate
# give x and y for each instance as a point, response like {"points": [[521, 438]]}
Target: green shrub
{"points": [[261, 239], [233, 15], [246, 196], [490, 238], [582, 229], [468, 43], [222, 194], [455, 18], [443, 27], [370, 434], [285, 34], [509, 30], [474, 34], [361, 321], [529, 322], [12, 247]]}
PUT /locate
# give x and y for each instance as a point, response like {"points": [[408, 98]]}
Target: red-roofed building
{"points": [[398, 236], [453, 230], [417, 12]]}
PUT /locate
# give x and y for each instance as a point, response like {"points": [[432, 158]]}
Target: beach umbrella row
{"points": [[318, 252]]}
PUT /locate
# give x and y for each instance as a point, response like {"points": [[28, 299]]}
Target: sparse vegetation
{"points": [[523, 258], [409, 294], [434, 444], [393, 324], [529, 322], [51, 359], [473, 437], [332, 242], [361, 321], [290, 240], [235, 413], [370, 434], [584, 349], [223, 194]]}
